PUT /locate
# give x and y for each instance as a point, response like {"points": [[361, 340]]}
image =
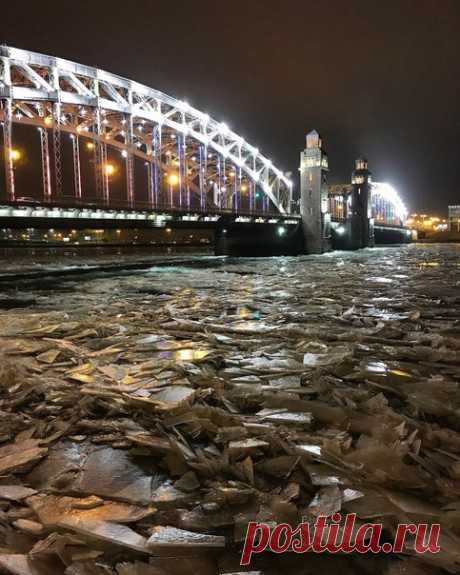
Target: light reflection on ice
{"points": [[376, 367], [379, 280]]}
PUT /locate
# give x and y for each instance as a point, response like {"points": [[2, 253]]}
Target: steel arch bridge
{"points": [[189, 162], [387, 207]]}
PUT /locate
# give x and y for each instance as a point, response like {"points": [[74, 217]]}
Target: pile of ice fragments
{"points": [[145, 420]]}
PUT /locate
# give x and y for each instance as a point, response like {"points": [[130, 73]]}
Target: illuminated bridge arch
{"points": [[188, 161], [387, 207]]}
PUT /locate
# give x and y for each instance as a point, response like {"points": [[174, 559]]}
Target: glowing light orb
{"points": [[173, 179], [109, 169], [15, 155]]}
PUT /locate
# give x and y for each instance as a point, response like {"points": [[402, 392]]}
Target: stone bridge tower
{"points": [[313, 195], [360, 225]]}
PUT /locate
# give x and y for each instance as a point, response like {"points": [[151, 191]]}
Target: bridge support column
{"points": [[76, 166], [151, 183], [46, 170], [360, 224], [314, 196], [105, 174], [181, 168], [157, 143], [202, 176], [101, 190], [8, 149], [129, 161], [57, 150]]}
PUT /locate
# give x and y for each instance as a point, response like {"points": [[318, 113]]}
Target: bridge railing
{"points": [[337, 206], [94, 206]]}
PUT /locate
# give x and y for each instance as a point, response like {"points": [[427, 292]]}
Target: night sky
{"points": [[378, 77]]}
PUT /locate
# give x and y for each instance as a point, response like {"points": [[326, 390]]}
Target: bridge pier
{"points": [[257, 240], [8, 149], [314, 196], [387, 235]]}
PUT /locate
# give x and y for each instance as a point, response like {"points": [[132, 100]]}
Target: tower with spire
{"points": [[314, 195], [360, 223]]}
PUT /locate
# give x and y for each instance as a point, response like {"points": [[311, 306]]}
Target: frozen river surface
{"points": [[202, 393]]}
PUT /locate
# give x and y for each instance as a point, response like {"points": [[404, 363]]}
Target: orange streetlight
{"points": [[90, 145], [109, 170], [173, 179], [15, 155]]}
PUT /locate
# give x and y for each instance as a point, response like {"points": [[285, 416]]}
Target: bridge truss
{"points": [[190, 162], [387, 208]]}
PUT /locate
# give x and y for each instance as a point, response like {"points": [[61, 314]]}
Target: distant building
{"points": [[454, 218]]}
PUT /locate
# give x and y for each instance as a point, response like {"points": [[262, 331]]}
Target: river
{"points": [[222, 391]]}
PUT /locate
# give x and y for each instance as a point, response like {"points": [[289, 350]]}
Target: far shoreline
{"points": [[441, 238]]}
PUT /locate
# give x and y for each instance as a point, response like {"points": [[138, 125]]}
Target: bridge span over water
{"points": [[82, 146]]}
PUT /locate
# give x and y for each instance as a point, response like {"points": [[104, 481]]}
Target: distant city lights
{"points": [[427, 223]]}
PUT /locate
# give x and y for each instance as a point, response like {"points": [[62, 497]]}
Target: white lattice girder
{"points": [[97, 88], [388, 194]]}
